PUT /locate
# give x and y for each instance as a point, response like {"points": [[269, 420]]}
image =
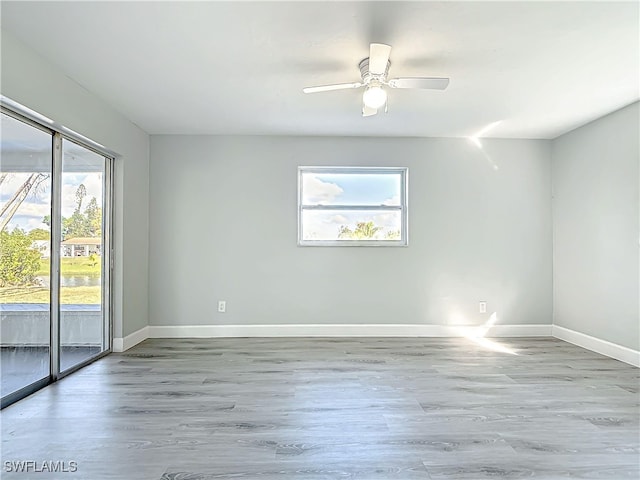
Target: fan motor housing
{"points": [[367, 76]]}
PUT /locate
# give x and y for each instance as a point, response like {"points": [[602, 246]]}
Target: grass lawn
{"points": [[69, 295], [71, 266]]}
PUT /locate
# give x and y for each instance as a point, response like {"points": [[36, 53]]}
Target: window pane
{"points": [[351, 188], [25, 241], [81, 317], [350, 225]]}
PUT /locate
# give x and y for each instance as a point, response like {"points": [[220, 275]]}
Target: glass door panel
{"points": [[25, 251], [82, 314]]}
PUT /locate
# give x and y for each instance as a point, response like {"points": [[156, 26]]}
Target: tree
{"points": [[74, 226], [81, 192], [363, 231], [81, 224], [39, 234], [93, 213], [19, 263]]}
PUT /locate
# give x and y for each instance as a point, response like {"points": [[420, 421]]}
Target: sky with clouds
{"points": [[37, 204]]}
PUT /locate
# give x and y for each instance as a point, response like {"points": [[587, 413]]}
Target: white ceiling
{"points": [[540, 68]]}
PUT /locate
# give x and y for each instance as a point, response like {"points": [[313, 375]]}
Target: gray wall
{"points": [[223, 226], [32, 81], [596, 228]]}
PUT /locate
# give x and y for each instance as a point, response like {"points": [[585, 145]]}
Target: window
{"points": [[352, 206]]}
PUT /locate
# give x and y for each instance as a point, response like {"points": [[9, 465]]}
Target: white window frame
{"points": [[403, 241]]}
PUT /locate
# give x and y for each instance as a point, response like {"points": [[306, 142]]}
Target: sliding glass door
{"points": [[25, 309], [54, 256], [81, 279]]}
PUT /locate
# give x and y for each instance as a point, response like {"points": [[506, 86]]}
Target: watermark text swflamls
{"points": [[33, 466]]}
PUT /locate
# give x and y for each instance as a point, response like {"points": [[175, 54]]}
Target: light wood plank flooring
{"points": [[335, 408]]}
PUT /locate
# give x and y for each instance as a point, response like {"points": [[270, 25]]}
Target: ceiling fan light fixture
{"points": [[374, 97], [373, 71]]}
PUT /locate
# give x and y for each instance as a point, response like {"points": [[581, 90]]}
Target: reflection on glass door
{"points": [[81, 255], [25, 251]]}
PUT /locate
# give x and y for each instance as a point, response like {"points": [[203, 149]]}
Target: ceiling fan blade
{"points": [[327, 88], [419, 82], [378, 58], [368, 111]]}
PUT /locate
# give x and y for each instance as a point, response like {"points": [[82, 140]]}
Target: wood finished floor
{"points": [[335, 408]]}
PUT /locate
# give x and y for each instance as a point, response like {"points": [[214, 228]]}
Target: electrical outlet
{"points": [[222, 306], [482, 306]]}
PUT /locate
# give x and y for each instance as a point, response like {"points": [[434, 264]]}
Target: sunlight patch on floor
{"points": [[478, 336]]}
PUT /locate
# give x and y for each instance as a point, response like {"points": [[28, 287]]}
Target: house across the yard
{"points": [[81, 247]]}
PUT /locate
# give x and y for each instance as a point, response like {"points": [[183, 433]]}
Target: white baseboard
{"points": [[342, 330], [597, 345], [123, 344]]}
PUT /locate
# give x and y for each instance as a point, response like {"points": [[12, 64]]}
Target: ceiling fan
{"points": [[374, 70]]}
